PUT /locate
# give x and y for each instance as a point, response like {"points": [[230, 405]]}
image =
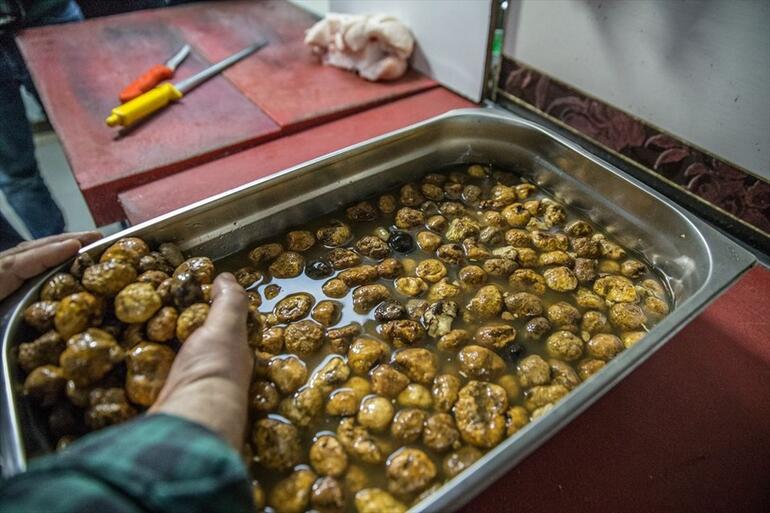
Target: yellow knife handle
{"points": [[143, 105]]}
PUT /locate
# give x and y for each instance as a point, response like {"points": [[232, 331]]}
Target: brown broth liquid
{"points": [[447, 360]]}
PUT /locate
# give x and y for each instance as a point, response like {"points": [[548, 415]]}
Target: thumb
{"points": [[16, 268], [229, 307]]}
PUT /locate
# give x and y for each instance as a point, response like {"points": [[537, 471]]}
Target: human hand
{"points": [[209, 380], [31, 258]]}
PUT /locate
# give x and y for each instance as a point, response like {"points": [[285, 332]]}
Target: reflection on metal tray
{"points": [[697, 262]]}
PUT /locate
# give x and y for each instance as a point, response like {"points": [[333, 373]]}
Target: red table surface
{"points": [[80, 68], [161, 196], [285, 78]]}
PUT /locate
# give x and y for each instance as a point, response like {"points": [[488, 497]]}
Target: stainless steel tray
{"points": [[697, 262]]}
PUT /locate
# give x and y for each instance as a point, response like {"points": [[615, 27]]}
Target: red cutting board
{"points": [[285, 78], [80, 68]]}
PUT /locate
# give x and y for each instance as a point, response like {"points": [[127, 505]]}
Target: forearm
{"points": [[209, 380], [158, 463], [196, 402]]}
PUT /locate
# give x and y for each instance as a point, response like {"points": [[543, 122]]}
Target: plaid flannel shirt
{"points": [[157, 463]]}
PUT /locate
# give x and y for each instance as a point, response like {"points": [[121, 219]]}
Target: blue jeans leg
{"points": [[71, 12], [20, 178], [9, 237]]}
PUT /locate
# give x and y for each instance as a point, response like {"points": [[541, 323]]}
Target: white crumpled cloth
{"points": [[376, 46]]}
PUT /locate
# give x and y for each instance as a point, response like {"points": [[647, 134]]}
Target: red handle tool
{"points": [[147, 81], [154, 76]]}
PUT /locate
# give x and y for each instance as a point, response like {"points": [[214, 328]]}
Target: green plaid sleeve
{"points": [[158, 463]]}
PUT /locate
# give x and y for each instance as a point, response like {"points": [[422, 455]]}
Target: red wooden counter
{"points": [[161, 196], [80, 68]]}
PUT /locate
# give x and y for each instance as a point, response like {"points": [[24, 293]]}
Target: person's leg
{"points": [[70, 12], [20, 178], [9, 237]]}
